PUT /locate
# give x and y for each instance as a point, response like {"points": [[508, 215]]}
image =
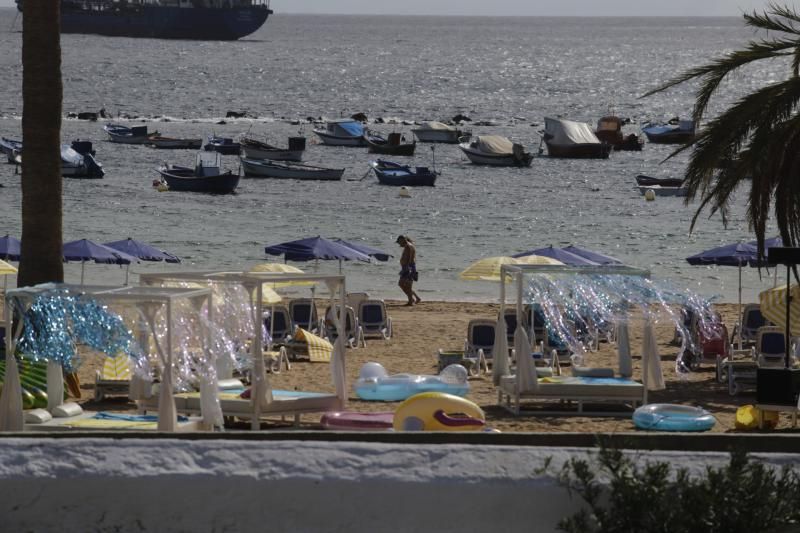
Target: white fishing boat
{"points": [[496, 151], [264, 168], [569, 139], [345, 132], [439, 132], [79, 164]]}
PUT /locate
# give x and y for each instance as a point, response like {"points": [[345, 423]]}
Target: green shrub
{"points": [[744, 496]]}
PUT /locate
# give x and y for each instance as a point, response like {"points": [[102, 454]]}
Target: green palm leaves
{"points": [[757, 138]]}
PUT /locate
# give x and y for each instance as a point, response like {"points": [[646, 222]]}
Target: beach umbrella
{"points": [[559, 254], [281, 268], [314, 248], [651, 359], [9, 248], [141, 251], [737, 254], [85, 250], [595, 257], [488, 268], [773, 307], [500, 363], [378, 255], [624, 349], [527, 377], [6, 269]]}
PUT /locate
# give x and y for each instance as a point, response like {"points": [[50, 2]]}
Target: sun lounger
{"points": [[770, 350], [354, 335], [572, 389], [105, 421], [278, 323], [480, 339], [114, 379], [284, 403], [374, 320], [752, 321], [304, 314]]}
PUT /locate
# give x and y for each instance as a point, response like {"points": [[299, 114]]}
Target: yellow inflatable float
{"points": [[437, 411]]}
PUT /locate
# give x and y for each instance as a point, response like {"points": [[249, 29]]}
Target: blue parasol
{"points": [[9, 248], [141, 251], [559, 254], [737, 254], [85, 250], [595, 257], [379, 255]]}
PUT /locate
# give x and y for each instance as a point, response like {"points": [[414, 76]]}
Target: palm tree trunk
{"points": [[42, 92]]}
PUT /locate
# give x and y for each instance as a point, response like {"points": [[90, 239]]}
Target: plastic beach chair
{"points": [[352, 329], [279, 322], [479, 343], [374, 320], [752, 321], [770, 347], [304, 314], [114, 378]]}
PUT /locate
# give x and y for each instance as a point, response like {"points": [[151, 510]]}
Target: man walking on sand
{"points": [[408, 269]]}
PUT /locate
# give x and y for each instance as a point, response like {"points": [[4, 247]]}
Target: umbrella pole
{"points": [[83, 266], [340, 266], [741, 319], [788, 310], [311, 309], [127, 273]]}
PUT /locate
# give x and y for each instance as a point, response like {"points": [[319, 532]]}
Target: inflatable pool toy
{"points": [[436, 411], [747, 417], [374, 383], [352, 421], [669, 417]]}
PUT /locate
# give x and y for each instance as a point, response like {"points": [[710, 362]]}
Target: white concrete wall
{"points": [[223, 485]]}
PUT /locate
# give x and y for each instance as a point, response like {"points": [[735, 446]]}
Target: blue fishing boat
{"points": [[222, 145], [390, 173], [207, 176], [223, 20], [674, 132]]}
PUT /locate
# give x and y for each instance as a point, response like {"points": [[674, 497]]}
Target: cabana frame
{"points": [[261, 397], [147, 300], [510, 397]]}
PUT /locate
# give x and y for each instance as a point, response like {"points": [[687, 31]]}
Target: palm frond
{"points": [[775, 18]]}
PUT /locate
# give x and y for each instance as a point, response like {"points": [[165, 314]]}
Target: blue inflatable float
{"points": [[375, 384], [669, 417]]}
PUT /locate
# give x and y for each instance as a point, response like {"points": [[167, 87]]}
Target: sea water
{"points": [[507, 73]]}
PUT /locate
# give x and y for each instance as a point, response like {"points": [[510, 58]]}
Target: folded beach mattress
{"points": [[578, 387]]}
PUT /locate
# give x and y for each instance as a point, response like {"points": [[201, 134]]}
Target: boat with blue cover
{"points": [[345, 132], [674, 132], [390, 173], [223, 20]]}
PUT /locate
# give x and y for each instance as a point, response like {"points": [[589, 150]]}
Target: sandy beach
{"points": [[421, 330]]}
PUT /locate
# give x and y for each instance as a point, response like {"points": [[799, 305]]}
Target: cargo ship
{"points": [[214, 20]]}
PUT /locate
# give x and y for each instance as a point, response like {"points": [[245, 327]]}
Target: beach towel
{"points": [[319, 350], [117, 368]]}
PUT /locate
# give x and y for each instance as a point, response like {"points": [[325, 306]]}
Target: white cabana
{"points": [[147, 301], [262, 401], [524, 382]]}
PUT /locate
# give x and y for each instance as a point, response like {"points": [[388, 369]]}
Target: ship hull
{"points": [[165, 22]]}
